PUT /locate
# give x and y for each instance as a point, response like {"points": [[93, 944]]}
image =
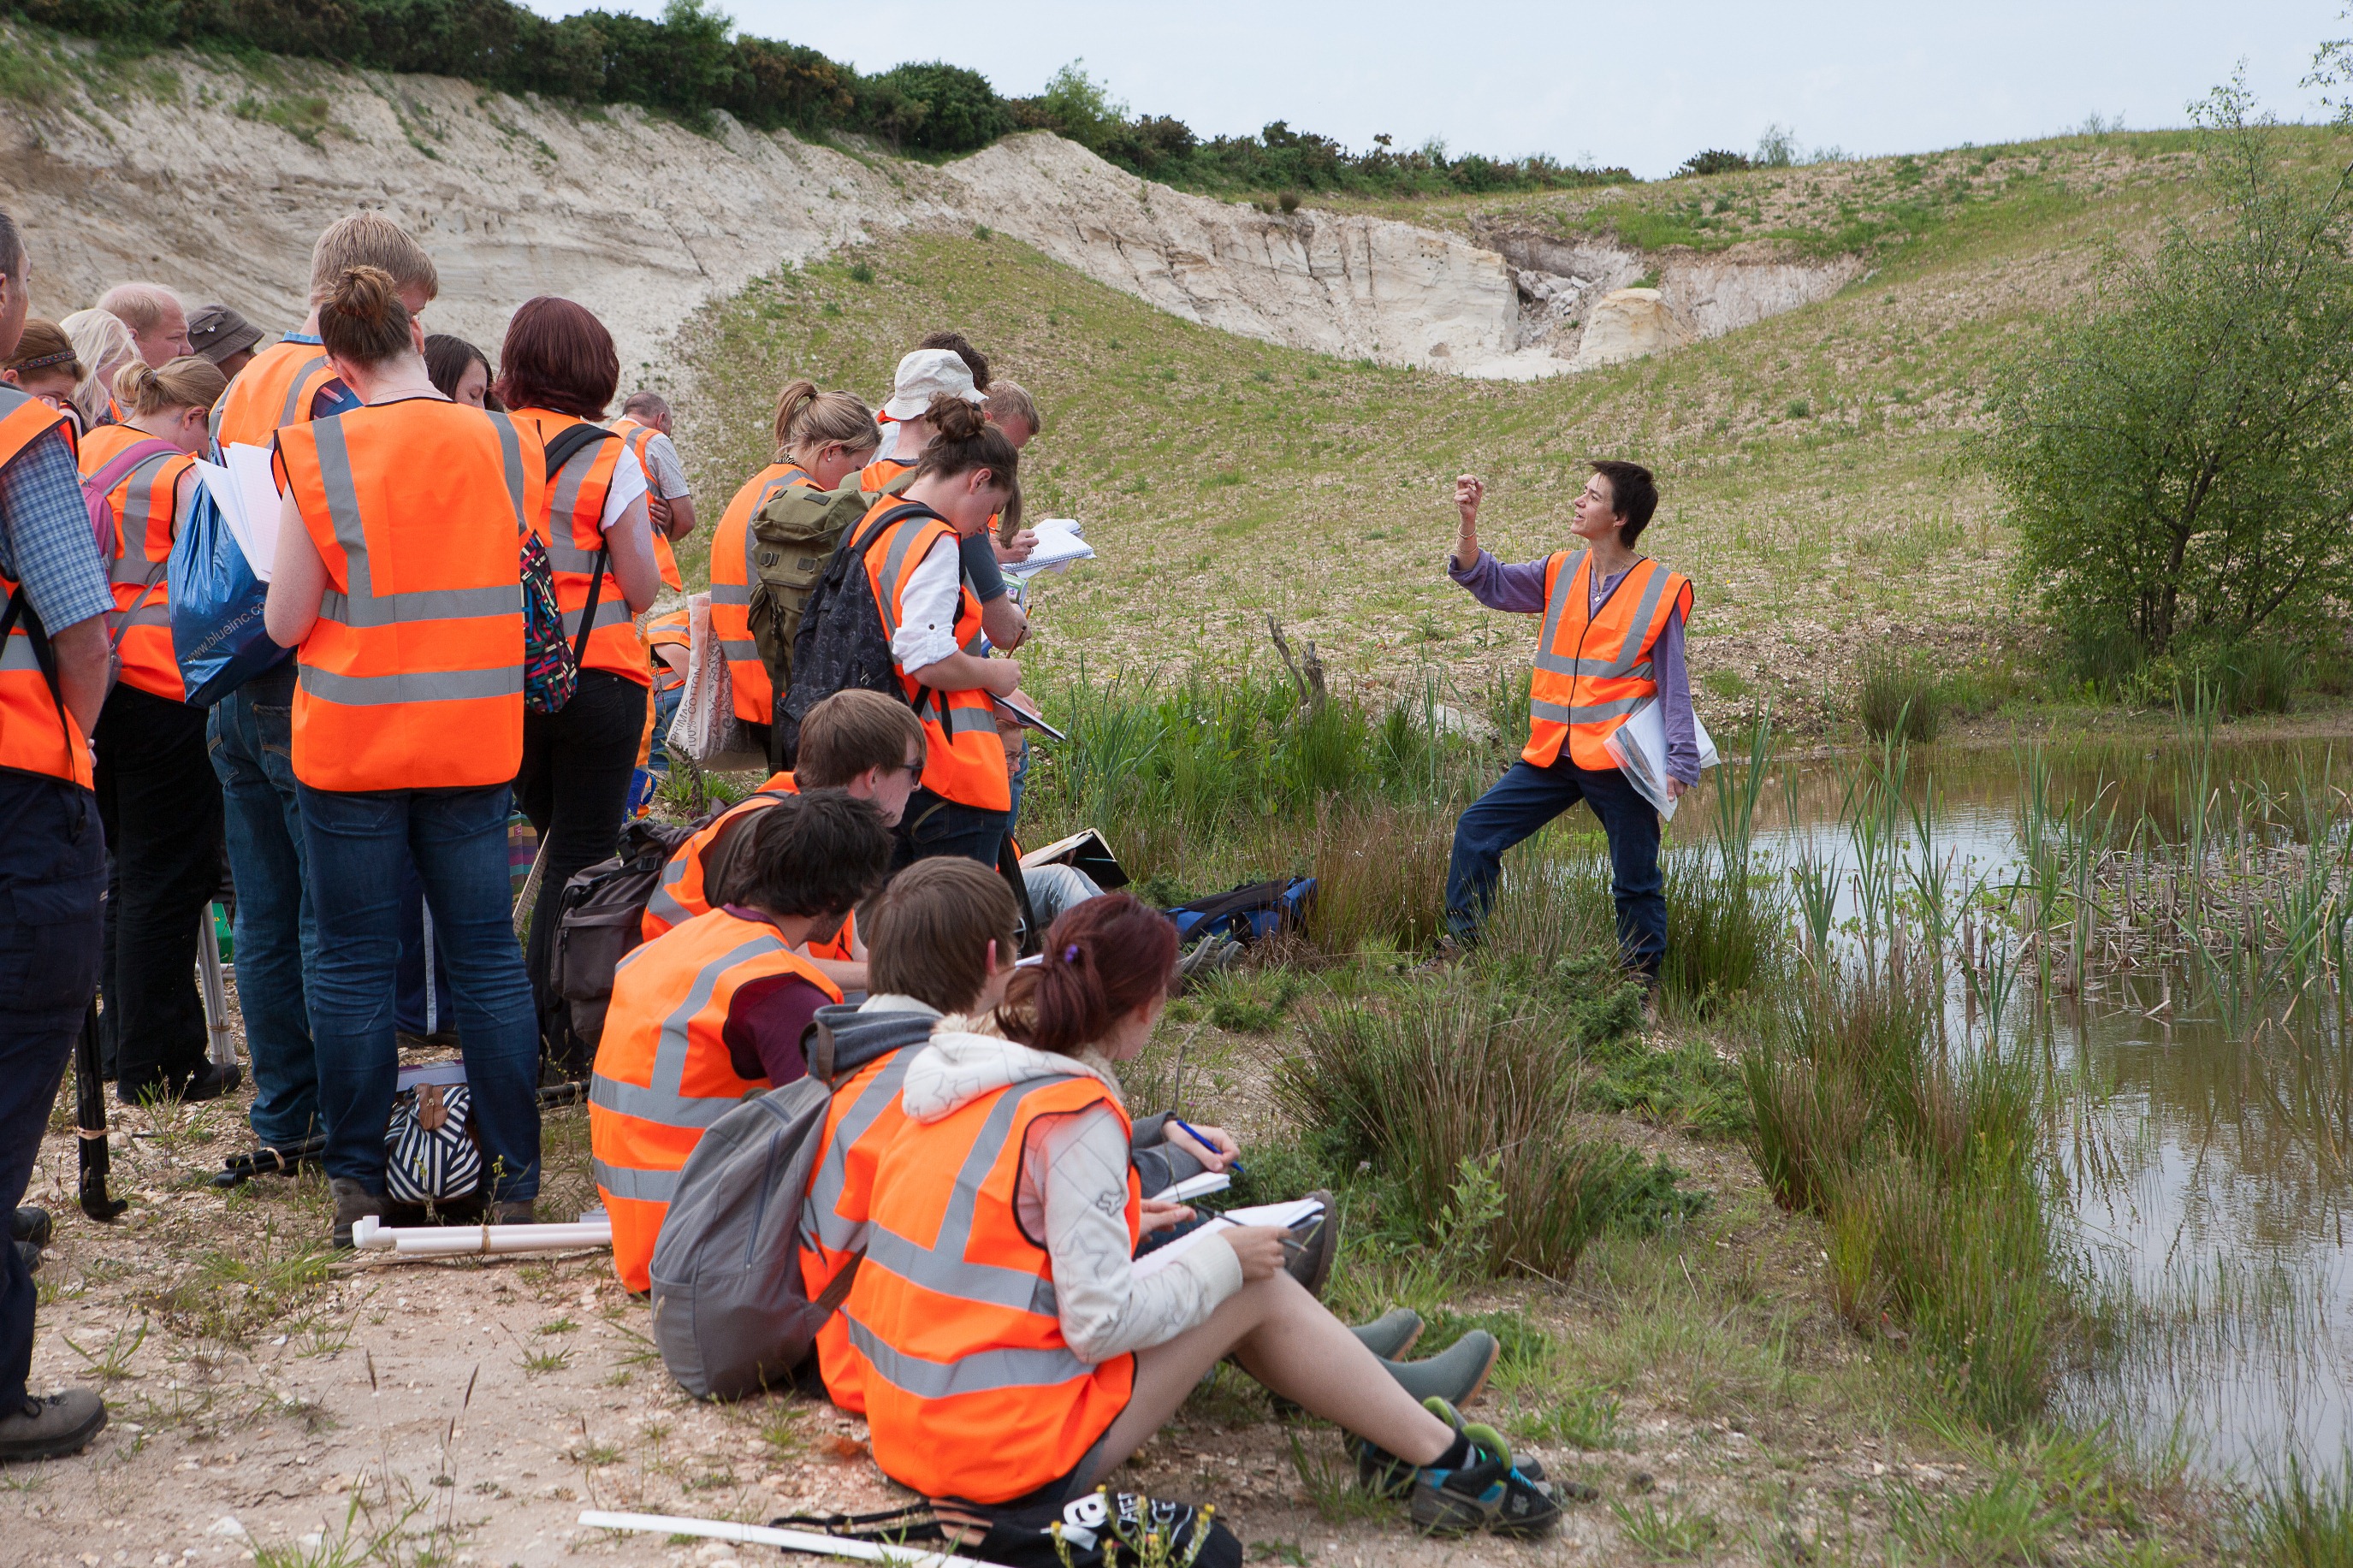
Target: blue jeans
{"points": [[52, 873], [357, 843], [1017, 775], [1521, 803], [251, 735]]}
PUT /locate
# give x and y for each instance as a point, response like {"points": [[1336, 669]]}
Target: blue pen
{"points": [[1233, 1165]]}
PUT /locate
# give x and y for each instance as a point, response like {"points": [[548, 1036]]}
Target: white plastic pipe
{"points": [[219, 1047], [791, 1539], [370, 1234]]}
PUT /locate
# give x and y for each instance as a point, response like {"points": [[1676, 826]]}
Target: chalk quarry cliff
{"points": [[205, 179]]}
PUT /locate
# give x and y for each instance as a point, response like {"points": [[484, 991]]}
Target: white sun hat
{"points": [[922, 376]]}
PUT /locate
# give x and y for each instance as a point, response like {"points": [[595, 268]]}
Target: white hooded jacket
{"points": [[1073, 1193]]}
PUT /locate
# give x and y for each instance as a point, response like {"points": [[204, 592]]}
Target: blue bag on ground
{"points": [[216, 599], [1246, 913]]}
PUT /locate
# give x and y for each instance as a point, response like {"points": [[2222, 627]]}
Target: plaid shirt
{"points": [[45, 538]]}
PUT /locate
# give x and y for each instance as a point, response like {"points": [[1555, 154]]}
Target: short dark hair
{"points": [[927, 935], [558, 355], [961, 346], [1634, 495], [446, 357], [12, 250], [852, 730], [815, 854]]}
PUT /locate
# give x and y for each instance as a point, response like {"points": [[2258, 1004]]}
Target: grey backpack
{"points": [[730, 1314]]}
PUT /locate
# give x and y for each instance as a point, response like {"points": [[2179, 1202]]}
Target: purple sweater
{"points": [[1521, 591]]}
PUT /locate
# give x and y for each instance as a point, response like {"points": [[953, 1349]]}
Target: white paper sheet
{"points": [[1639, 747], [1058, 544], [1282, 1216], [1191, 1187], [257, 488]]}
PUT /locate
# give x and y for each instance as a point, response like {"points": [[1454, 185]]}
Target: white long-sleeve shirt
{"points": [[928, 606]]}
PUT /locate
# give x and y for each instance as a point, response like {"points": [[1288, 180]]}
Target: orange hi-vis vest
{"points": [[412, 678], [963, 759], [971, 1391], [37, 734], [146, 521], [570, 523], [876, 476], [1593, 667], [731, 590], [637, 437], [274, 391], [663, 1073], [683, 893], [863, 1119]]}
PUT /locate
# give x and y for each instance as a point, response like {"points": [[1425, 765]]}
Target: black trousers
{"points": [[52, 872], [575, 787], [160, 802]]}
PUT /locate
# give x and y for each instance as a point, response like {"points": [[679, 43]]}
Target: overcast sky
{"points": [[1640, 86]]}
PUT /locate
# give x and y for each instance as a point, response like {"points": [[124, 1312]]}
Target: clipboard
{"points": [[1029, 721]]}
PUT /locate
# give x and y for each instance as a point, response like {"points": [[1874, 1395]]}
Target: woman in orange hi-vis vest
{"points": [[156, 790], [1612, 645], [717, 1010], [911, 547], [822, 437], [1010, 1354], [557, 369], [396, 580]]}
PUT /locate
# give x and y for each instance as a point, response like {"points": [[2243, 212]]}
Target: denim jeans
{"points": [[356, 842], [934, 824], [52, 874], [1017, 773], [251, 735], [1522, 802], [575, 787], [160, 806]]}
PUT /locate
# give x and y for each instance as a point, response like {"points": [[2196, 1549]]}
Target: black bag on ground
{"points": [[598, 920], [1102, 1529], [840, 643]]}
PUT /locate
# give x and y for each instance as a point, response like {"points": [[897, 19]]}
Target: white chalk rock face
{"points": [[1629, 324]]}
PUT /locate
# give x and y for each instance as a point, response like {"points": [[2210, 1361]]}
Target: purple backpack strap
{"points": [[99, 485]]}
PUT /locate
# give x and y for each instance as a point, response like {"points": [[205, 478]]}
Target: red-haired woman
{"points": [[1016, 1355], [556, 368]]}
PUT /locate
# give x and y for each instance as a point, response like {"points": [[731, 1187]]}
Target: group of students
{"points": [[981, 1192]]}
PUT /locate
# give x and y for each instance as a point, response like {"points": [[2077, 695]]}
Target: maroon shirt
{"points": [[767, 1019]]}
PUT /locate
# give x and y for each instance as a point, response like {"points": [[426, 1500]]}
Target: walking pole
{"points": [[89, 1121], [530, 894], [222, 1047]]}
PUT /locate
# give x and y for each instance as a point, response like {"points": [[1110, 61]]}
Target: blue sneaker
{"points": [[1490, 1493]]}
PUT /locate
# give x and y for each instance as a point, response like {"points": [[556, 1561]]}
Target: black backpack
{"points": [[552, 661], [599, 919], [840, 644]]}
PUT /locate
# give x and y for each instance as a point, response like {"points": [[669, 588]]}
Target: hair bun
{"points": [[365, 294], [954, 417]]}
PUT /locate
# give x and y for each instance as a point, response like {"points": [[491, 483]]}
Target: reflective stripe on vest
{"points": [[638, 438], [277, 389], [663, 1073], [1593, 669], [863, 1119], [37, 734], [971, 1390], [146, 518], [731, 590], [571, 526], [412, 688], [963, 759]]}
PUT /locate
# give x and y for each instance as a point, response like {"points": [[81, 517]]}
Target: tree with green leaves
{"points": [[2178, 455]]}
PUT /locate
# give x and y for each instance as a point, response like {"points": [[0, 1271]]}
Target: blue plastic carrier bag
{"points": [[216, 599]]}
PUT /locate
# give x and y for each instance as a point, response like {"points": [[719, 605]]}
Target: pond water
{"points": [[2202, 1144]]}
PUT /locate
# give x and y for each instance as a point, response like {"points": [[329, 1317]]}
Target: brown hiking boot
{"points": [[353, 1203], [51, 1428]]}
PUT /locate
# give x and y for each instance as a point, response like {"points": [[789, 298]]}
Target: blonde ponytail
{"points": [[142, 390]]}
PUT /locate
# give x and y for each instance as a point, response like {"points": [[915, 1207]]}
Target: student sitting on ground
{"points": [[717, 1009], [858, 742], [1009, 1187]]}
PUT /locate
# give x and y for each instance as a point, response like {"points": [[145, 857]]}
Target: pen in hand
{"points": [[1233, 1165]]}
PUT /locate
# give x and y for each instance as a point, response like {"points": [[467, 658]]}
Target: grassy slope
{"points": [[1812, 464]]}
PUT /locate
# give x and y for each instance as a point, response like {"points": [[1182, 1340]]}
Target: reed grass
{"points": [[1898, 695], [2303, 1518]]}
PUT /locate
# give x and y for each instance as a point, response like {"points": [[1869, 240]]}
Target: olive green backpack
{"points": [[793, 534]]}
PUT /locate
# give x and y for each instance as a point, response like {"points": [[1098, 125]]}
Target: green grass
{"points": [[2303, 1519]]}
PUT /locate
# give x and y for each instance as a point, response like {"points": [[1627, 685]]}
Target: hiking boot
{"points": [[1311, 1264], [1489, 1493], [1384, 1474], [1444, 953], [30, 1223], [1456, 1374], [353, 1203], [51, 1428], [211, 1081], [514, 1211], [1391, 1334]]}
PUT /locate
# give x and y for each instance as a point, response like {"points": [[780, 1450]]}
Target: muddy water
{"points": [[2204, 1164]]}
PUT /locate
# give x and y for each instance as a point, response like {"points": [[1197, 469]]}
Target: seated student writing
{"points": [[717, 1009], [1013, 1356], [858, 742]]}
